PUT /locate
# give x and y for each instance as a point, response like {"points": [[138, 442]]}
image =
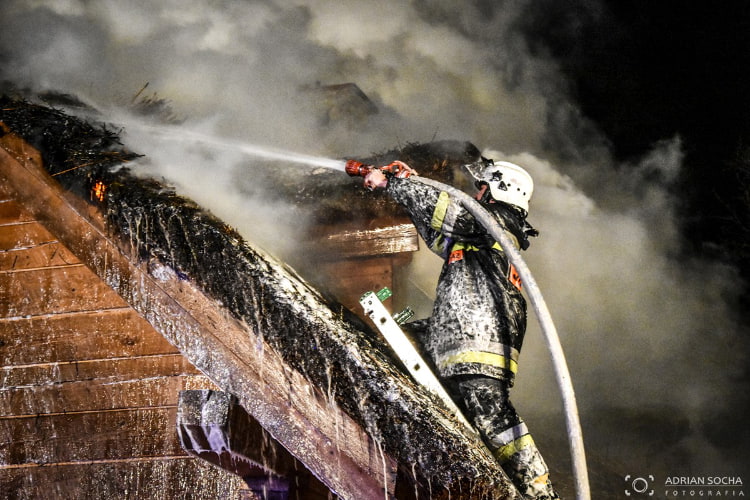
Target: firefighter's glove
{"points": [[399, 169], [375, 179]]}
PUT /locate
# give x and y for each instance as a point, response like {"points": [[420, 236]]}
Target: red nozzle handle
{"points": [[356, 168]]}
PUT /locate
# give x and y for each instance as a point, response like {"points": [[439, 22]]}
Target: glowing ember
{"points": [[99, 190]]}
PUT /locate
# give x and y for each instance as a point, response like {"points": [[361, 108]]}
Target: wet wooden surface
{"points": [[89, 389], [162, 478], [79, 336]]}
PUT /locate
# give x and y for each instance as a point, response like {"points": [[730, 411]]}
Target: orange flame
{"points": [[98, 190]]}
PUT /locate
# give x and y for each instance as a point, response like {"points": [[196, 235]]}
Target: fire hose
{"points": [[552, 339]]}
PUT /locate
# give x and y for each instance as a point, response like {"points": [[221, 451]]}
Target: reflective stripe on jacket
{"points": [[479, 316]]}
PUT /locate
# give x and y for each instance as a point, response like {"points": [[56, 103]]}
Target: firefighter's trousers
{"points": [[486, 404]]}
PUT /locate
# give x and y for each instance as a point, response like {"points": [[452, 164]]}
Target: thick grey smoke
{"points": [[641, 329]]}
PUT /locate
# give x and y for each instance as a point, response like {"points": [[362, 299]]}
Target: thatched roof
{"points": [[160, 241]]}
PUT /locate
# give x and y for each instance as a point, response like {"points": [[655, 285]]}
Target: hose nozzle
{"points": [[357, 169]]}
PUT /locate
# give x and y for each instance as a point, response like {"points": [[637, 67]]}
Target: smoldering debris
{"points": [[155, 107], [75, 152]]}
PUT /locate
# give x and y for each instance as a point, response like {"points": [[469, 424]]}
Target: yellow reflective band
{"points": [[504, 453], [438, 246], [463, 246], [483, 357], [466, 246], [441, 207], [541, 479]]}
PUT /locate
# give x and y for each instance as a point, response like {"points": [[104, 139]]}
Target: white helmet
{"points": [[508, 183]]}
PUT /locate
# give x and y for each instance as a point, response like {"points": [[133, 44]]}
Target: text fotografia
{"points": [[704, 486]]}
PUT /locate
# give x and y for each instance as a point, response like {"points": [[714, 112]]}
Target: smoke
{"points": [[243, 64], [637, 317], [641, 327]]}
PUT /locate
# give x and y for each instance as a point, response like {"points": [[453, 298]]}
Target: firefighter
{"points": [[476, 329]]}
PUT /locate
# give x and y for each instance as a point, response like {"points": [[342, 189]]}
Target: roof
{"points": [[313, 375]]}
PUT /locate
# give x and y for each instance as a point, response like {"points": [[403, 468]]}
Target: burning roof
{"points": [[180, 243]]}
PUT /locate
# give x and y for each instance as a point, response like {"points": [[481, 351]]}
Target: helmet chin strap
{"points": [[484, 195]]}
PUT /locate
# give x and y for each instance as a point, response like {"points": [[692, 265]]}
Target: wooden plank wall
{"points": [[89, 389]]}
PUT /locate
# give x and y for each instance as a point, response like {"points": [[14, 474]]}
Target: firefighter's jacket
{"points": [[479, 317]]}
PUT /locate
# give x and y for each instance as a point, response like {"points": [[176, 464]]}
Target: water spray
{"points": [[179, 134]]}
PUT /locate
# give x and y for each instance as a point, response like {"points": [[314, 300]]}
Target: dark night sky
{"points": [[646, 71]]}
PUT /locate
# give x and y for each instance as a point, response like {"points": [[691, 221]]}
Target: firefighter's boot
{"points": [[524, 465]]}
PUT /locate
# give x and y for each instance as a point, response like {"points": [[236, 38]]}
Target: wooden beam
{"points": [[385, 237], [296, 413], [213, 426]]}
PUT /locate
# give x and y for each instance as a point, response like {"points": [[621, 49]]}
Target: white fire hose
{"points": [[575, 436]]}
